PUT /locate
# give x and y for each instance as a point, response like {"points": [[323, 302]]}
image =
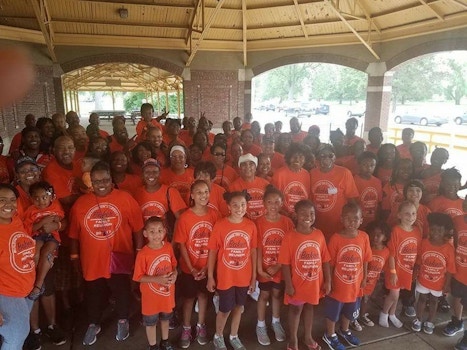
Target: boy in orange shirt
{"points": [[156, 270], [350, 253], [435, 265], [232, 253]]}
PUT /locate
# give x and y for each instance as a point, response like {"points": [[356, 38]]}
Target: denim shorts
{"points": [[151, 320]]}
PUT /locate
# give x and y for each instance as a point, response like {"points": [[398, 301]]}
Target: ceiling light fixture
{"points": [[123, 12]]}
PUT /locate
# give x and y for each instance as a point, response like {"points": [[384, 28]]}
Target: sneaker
{"points": [[410, 311], [56, 335], [165, 345], [365, 319], [383, 320], [428, 327], [279, 332], [333, 342], [416, 325], [185, 338], [153, 347], [202, 334], [443, 304], [356, 326], [461, 344], [349, 337], [219, 343], [453, 327], [236, 343], [173, 322], [123, 330], [91, 334], [33, 341], [262, 335]]}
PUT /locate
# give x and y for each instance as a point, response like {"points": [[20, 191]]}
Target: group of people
{"points": [[201, 216]]}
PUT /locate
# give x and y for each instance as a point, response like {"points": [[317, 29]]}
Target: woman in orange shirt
{"points": [[17, 271]]}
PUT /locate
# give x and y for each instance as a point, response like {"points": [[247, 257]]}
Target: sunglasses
{"points": [[219, 154]]}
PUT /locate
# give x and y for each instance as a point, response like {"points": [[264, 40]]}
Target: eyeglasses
{"points": [[219, 154]]}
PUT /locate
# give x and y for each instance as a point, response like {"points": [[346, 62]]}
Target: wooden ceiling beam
{"points": [[21, 34], [88, 21], [199, 3], [43, 18], [187, 5], [300, 18], [431, 9], [205, 31], [369, 18], [460, 3], [244, 33], [363, 41]]}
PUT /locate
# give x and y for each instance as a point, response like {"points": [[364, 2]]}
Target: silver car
{"points": [[420, 119]]}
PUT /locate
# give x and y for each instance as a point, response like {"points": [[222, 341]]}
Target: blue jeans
{"points": [[15, 329]]}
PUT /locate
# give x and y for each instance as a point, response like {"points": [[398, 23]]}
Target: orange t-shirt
{"points": [[299, 136], [34, 214], [375, 266], [404, 151], [294, 186], [181, 182], [371, 194], [404, 246], [4, 173], [17, 267], [155, 203], [422, 221], [226, 176], [102, 225], [393, 196], [15, 144], [114, 146], [24, 201], [254, 150], [330, 191], [142, 127], [452, 207], [62, 179], [255, 189], [131, 184], [185, 136], [155, 297], [270, 237], [431, 187], [348, 257], [384, 174], [277, 161], [350, 141], [460, 224], [217, 201], [194, 231], [305, 254], [372, 149], [435, 262], [234, 243]]}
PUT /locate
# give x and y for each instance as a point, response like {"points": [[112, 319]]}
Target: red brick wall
{"points": [[40, 101], [217, 93]]}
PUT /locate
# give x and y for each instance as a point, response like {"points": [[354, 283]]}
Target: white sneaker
{"points": [[395, 321], [383, 320]]}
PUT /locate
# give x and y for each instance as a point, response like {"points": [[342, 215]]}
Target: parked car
{"points": [[421, 119], [322, 109], [462, 119], [356, 111]]}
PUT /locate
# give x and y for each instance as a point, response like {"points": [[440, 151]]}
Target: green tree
{"points": [[455, 83], [133, 100], [416, 80]]}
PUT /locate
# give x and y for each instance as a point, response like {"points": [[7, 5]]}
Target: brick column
{"points": [[378, 96], [220, 94], [245, 76], [57, 82]]}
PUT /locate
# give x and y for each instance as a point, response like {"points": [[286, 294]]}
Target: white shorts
{"points": [[423, 290]]}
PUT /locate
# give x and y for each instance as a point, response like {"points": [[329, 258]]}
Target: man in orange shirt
{"points": [[103, 227]]}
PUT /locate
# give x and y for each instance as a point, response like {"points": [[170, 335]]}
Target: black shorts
{"points": [[268, 286], [459, 290], [151, 320], [229, 298], [333, 309], [190, 288]]}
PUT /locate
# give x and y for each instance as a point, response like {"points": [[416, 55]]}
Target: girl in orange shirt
{"points": [[272, 227], [232, 246], [403, 249], [192, 232]]}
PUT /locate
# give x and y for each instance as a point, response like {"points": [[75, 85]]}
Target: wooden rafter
{"points": [[300, 18], [45, 23], [245, 27], [424, 3], [195, 49], [371, 22], [199, 4], [460, 3], [363, 41]]}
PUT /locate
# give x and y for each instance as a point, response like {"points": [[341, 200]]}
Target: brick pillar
{"points": [[57, 82], [219, 94], [378, 96], [245, 76]]}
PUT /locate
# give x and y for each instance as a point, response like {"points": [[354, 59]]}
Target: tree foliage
{"points": [[133, 100], [455, 83]]}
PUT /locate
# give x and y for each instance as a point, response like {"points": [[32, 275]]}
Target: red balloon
{"points": [[16, 75]]}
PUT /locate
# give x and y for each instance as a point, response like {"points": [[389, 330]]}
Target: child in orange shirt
{"points": [[403, 245], [305, 268], [379, 234], [43, 220], [448, 201], [272, 227], [156, 270], [192, 232], [350, 253], [232, 246], [435, 265]]}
